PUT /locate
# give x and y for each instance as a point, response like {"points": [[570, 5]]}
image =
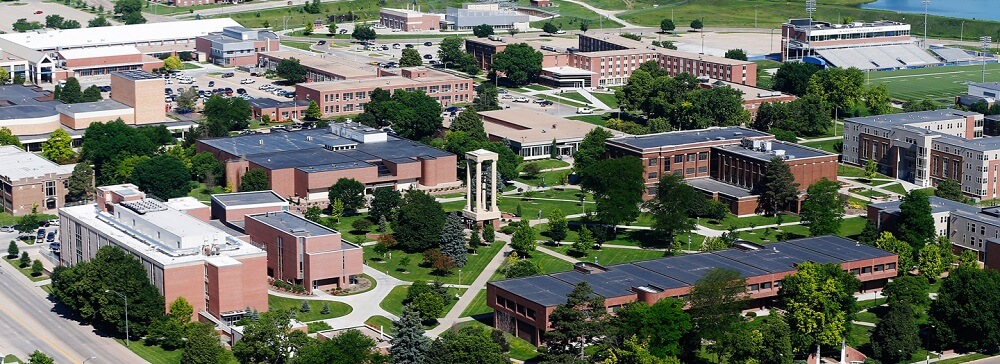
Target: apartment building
{"points": [[28, 180], [926, 148], [184, 256], [349, 97], [523, 306], [236, 46], [726, 164]]}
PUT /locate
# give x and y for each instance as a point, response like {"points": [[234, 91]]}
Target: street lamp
{"points": [[986, 47], [119, 294], [89, 359], [925, 2], [459, 277]]}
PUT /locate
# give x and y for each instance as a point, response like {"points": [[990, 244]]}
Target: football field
{"points": [[941, 84]]}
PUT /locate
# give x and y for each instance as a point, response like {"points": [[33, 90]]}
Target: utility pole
{"points": [[926, 3], [122, 295], [755, 16]]}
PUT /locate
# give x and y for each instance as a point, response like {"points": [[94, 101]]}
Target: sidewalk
{"points": [[452, 317]]}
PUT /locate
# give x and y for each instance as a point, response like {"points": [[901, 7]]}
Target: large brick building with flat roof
{"points": [[530, 133], [183, 255], [349, 97], [236, 46], [319, 68], [28, 180], [304, 164], [522, 306], [724, 163]]}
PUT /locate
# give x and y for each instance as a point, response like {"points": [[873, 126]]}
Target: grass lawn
{"points": [[575, 96], [26, 271], [537, 87], [844, 170], [337, 309], [607, 99], [545, 164], [204, 194], [154, 354], [393, 302], [314, 327], [964, 359], [874, 182], [746, 221], [345, 229], [849, 228], [7, 219], [363, 9], [571, 15], [610, 256], [562, 101], [379, 321], [533, 208], [550, 178], [935, 83], [300, 45], [190, 66], [416, 271], [859, 336], [478, 305], [824, 145], [10, 358], [897, 188], [869, 193], [593, 119]]}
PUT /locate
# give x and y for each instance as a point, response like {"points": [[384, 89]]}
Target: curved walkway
{"points": [[363, 305], [613, 15]]}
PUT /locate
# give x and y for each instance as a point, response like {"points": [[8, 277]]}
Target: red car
{"points": [[38, 12]]}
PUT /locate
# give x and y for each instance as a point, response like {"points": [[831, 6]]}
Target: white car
{"points": [[247, 81], [584, 110], [560, 31], [521, 99]]}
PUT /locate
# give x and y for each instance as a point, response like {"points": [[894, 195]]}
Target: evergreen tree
{"points": [[71, 92], [916, 224], [777, 188], [409, 345], [489, 235], [474, 240], [452, 243], [12, 250], [326, 308], [25, 260]]}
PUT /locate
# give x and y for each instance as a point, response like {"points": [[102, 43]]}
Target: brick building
{"points": [[530, 133], [753, 97], [183, 255], [236, 46], [408, 20], [29, 180], [608, 59], [303, 252], [522, 306], [724, 163], [83, 62], [320, 68], [278, 110], [926, 148], [304, 164], [349, 97]]}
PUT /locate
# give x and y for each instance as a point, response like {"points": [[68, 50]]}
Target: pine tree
{"points": [[305, 306], [474, 240], [12, 250], [255, 316], [489, 235], [25, 260], [382, 224], [326, 308], [452, 244], [409, 345]]}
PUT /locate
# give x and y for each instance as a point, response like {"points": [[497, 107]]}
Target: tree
{"points": [[632, 350], [819, 299], [950, 189], [225, 114], [489, 235], [59, 147], [737, 54], [591, 149], [908, 290], [521, 268], [823, 209], [128, 6], [12, 250], [173, 63], [187, 100], [931, 262], [531, 170], [71, 91], [313, 112], [308, 30], [291, 70], [584, 25], [385, 201], [29, 222], [916, 225], [349, 191], [410, 58], [969, 259], [413, 114], [91, 94], [558, 225], [697, 24], [181, 310], [617, 185], [36, 268], [793, 77], [965, 304], [468, 121], [53, 21], [576, 322], [8, 138], [895, 337], [337, 210], [450, 50], [716, 300], [519, 62], [255, 180], [662, 325], [487, 98], [507, 165], [4, 76], [38, 357], [524, 239], [419, 221], [99, 21], [877, 100], [452, 243], [469, 344], [166, 333], [269, 339], [24, 261], [164, 176], [22, 25], [667, 25], [886, 241], [482, 31], [202, 345], [364, 33], [672, 206], [349, 347], [305, 307], [777, 188], [409, 345], [550, 28], [922, 105], [207, 169], [134, 18]]}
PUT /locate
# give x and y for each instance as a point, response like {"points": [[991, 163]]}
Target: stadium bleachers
{"points": [[952, 55], [882, 57]]}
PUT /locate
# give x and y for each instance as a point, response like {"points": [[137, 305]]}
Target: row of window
{"points": [[516, 307]]}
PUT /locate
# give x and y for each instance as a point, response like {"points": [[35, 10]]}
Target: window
{"points": [[753, 287], [689, 171], [50, 188], [652, 162], [890, 266], [652, 175], [879, 267], [765, 285], [703, 156], [855, 271], [678, 158], [866, 270], [690, 157]]}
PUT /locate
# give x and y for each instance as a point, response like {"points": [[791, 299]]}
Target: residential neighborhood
{"points": [[494, 182]]}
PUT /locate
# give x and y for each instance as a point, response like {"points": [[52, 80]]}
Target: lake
{"points": [[971, 9]]}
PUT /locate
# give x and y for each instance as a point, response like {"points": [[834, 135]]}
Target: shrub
{"points": [[362, 225]]}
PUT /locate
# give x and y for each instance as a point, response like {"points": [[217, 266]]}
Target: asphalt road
{"points": [[28, 322]]}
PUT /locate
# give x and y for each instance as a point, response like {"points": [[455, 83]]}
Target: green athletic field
{"points": [[941, 84]]}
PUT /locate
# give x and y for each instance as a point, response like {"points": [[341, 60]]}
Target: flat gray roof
{"points": [[677, 138], [792, 151], [712, 185], [938, 205], [17, 164], [912, 117], [293, 224], [136, 75], [248, 198]]}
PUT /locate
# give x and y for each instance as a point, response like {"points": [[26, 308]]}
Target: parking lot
{"points": [[212, 81], [384, 51], [47, 246]]}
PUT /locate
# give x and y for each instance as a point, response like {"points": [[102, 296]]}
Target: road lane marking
{"points": [[43, 338]]}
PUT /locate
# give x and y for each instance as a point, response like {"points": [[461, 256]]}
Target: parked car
{"points": [[428, 56], [241, 91], [547, 103], [51, 236], [7, 229], [228, 75], [395, 46], [409, 46], [211, 83], [584, 110], [246, 81], [343, 31], [40, 235], [54, 222], [168, 91], [521, 99], [322, 42], [38, 12], [428, 44], [105, 88]]}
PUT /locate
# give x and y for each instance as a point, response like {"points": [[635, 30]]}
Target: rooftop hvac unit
{"points": [[778, 152]]}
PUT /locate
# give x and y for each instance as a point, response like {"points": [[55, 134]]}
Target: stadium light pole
{"points": [[926, 3], [810, 8], [986, 47]]}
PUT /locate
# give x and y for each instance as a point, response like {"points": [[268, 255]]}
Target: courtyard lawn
{"points": [[844, 170], [416, 270], [393, 302], [154, 354], [204, 194], [337, 309], [824, 145], [478, 306], [25, 271], [611, 256], [849, 228], [544, 164], [746, 221], [869, 193], [607, 99], [575, 96], [379, 321], [598, 120], [897, 188], [544, 179], [299, 45]]}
